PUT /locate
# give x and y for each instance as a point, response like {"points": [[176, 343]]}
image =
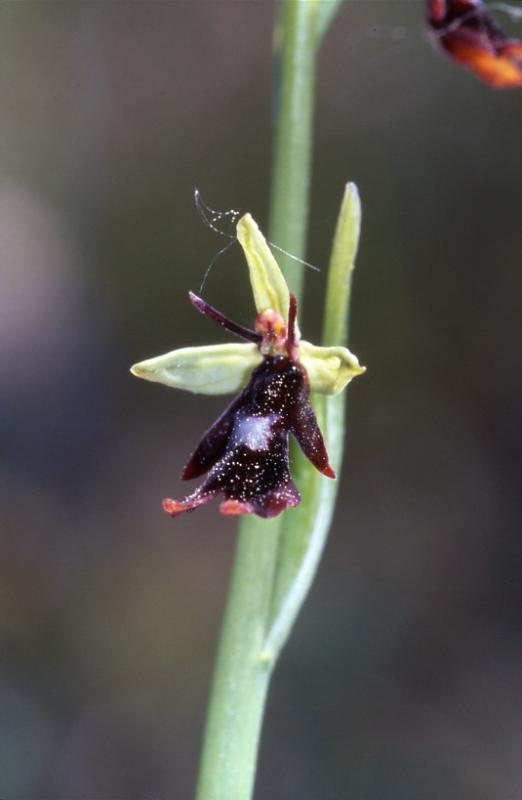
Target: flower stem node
{"points": [[244, 455]]}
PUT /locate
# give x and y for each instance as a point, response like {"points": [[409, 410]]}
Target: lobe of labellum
{"points": [[213, 444], [303, 425], [310, 439], [212, 369], [234, 508], [268, 284], [176, 507]]}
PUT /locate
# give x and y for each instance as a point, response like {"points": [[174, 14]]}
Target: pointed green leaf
{"points": [[329, 369], [213, 369], [342, 264], [326, 11], [268, 284]]}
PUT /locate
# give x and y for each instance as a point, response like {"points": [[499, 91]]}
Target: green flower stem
{"points": [[241, 678], [244, 663], [289, 206]]}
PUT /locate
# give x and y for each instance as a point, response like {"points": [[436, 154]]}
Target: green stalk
{"points": [[289, 204], [241, 675], [244, 664]]}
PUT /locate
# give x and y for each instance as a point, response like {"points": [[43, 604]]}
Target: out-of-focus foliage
{"points": [[109, 610]]}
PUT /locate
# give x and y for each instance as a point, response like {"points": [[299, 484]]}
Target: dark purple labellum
{"points": [[245, 453]]}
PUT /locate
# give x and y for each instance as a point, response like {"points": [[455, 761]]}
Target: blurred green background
{"points": [[401, 680]]}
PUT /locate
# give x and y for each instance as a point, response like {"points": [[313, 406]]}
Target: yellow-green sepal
{"points": [[329, 369], [213, 369], [268, 284]]}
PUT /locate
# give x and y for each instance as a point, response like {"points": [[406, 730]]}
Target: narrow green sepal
{"points": [[212, 369], [329, 369], [268, 284]]}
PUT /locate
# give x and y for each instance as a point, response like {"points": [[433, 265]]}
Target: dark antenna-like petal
{"points": [[291, 343], [209, 311]]}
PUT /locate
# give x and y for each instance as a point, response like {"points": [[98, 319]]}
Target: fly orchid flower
{"points": [[244, 455], [467, 32]]}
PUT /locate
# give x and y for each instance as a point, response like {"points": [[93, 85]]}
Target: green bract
{"points": [[226, 368]]}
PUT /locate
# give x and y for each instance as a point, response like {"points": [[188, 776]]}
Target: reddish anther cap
{"points": [[468, 34]]}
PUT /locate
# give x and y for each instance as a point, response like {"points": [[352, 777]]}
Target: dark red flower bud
{"points": [[245, 453], [468, 34]]}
